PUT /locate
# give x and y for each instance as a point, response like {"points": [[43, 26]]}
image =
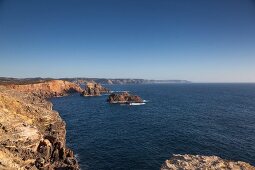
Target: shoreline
{"points": [[32, 134], [41, 132]]}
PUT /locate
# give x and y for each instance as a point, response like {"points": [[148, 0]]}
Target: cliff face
{"points": [[193, 162], [47, 89], [32, 135], [94, 89]]}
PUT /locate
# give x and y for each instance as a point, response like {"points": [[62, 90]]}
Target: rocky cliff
{"points": [[194, 162], [94, 89], [124, 98], [51, 88], [32, 135]]}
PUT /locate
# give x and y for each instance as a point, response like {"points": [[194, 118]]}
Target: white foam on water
{"points": [[77, 157], [137, 104], [119, 91], [80, 164]]}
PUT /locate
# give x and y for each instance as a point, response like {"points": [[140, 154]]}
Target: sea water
{"points": [[206, 119]]}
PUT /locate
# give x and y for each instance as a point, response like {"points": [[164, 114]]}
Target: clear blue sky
{"points": [[198, 40]]}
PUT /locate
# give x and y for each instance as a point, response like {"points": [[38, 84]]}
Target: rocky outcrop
{"points": [[51, 88], [32, 135], [124, 98], [194, 162], [94, 89]]}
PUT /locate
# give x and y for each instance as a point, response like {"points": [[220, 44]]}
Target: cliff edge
{"points": [[32, 135], [51, 88]]}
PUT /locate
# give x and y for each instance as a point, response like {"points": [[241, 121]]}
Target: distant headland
{"points": [[80, 80]]}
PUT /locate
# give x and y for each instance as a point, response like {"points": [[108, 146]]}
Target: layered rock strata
{"points": [[47, 89], [195, 162], [32, 135]]}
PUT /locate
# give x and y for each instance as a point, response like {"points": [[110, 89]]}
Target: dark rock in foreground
{"points": [[193, 162], [124, 98], [94, 89]]}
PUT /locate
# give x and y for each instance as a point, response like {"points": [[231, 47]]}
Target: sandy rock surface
{"points": [[198, 162], [32, 135]]}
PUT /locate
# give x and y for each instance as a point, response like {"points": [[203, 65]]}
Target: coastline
{"points": [[26, 116], [33, 136]]}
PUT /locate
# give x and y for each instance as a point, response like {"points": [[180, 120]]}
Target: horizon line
{"points": [[80, 77]]}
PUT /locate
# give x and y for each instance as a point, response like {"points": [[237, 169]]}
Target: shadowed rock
{"points": [[124, 98]]}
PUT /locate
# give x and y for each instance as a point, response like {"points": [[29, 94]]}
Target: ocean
{"points": [[205, 119]]}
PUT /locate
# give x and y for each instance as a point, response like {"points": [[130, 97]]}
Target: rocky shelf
{"points": [[195, 162]]}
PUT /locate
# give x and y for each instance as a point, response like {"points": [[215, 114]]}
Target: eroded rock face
{"points": [[94, 89], [52, 88], [125, 98], [194, 162], [32, 135]]}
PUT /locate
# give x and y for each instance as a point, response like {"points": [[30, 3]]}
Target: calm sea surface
{"points": [[207, 119]]}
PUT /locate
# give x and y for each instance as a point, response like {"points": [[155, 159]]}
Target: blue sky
{"points": [[198, 40]]}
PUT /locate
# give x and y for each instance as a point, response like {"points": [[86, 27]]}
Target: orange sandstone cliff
{"points": [[32, 135], [94, 89], [52, 88]]}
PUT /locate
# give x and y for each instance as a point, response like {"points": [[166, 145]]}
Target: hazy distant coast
{"points": [[8, 80]]}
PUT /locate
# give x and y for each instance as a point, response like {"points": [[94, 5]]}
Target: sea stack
{"points": [[124, 98], [94, 89]]}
